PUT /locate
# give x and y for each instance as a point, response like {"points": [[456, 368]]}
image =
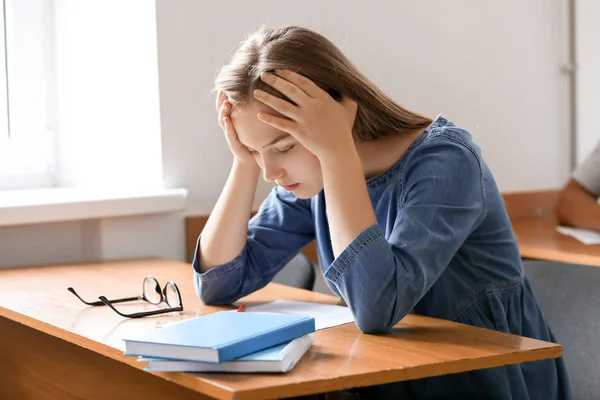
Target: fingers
{"points": [[224, 111], [282, 106], [283, 124], [226, 124], [302, 82], [230, 134], [221, 97], [289, 89]]}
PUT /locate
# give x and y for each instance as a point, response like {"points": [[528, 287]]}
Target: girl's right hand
{"points": [[240, 152]]}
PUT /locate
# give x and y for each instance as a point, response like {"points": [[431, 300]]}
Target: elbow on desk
{"points": [[372, 328], [371, 320], [213, 301], [379, 313], [214, 294]]}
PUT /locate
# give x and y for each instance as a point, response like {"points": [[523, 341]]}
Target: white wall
{"points": [[159, 235], [588, 76], [493, 67]]}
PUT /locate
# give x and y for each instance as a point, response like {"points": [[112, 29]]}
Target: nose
{"points": [[272, 171]]}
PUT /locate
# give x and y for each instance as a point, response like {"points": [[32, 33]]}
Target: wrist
{"points": [[246, 170], [341, 155], [246, 166]]}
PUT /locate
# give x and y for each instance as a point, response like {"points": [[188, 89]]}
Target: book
{"points": [[276, 359], [220, 336]]}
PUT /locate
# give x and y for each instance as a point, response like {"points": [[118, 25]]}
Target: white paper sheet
{"points": [[325, 315], [585, 236]]}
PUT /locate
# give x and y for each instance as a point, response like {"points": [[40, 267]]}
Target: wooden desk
{"points": [[52, 346], [538, 239], [534, 223]]}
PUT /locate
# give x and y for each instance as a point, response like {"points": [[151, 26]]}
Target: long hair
{"points": [[310, 54]]}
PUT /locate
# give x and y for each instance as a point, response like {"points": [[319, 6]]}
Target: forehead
{"points": [[251, 131]]}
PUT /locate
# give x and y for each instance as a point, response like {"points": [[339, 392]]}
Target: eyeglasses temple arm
{"points": [[99, 303], [104, 300]]}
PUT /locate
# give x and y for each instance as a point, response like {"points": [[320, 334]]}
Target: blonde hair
{"points": [[315, 57]]}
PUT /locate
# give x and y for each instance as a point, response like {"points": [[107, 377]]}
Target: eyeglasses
{"points": [[151, 293]]}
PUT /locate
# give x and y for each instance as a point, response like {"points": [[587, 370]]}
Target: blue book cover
{"points": [[220, 336], [276, 359]]}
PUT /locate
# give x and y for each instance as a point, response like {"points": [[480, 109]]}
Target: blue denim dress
{"points": [[443, 246]]}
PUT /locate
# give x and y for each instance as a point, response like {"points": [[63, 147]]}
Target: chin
{"points": [[305, 194]]}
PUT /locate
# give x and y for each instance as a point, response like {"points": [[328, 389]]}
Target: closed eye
{"points": [[287, 149]]}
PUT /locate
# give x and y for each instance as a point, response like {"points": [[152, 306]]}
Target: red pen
{"points": [[241, 308]]}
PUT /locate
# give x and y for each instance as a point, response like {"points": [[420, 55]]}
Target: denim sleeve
{"points": [[280, 229], [439, 205]]}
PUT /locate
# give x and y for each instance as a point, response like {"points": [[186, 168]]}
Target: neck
{"points": [[380, 154]]}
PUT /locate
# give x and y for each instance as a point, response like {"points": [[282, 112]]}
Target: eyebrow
{"points": [[277, 139]]}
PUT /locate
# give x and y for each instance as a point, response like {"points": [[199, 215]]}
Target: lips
{"points": [[290, 187]]}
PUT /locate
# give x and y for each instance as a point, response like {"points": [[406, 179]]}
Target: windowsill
{"points": [[33, 206]]}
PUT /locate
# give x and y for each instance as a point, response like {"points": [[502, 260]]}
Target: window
{"points": [[27, 128]]}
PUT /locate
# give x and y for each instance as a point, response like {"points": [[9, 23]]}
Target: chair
{"points": [[298, 272], [569, 296]]}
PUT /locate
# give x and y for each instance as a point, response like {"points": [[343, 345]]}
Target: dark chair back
{"points": [[298, 272], [569, 296]]}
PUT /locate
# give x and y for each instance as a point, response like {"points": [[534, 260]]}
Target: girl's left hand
{"points": [[321, 124]]}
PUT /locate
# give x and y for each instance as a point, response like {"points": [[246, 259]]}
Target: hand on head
{"points": [[240, 152], [319, 122]]}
